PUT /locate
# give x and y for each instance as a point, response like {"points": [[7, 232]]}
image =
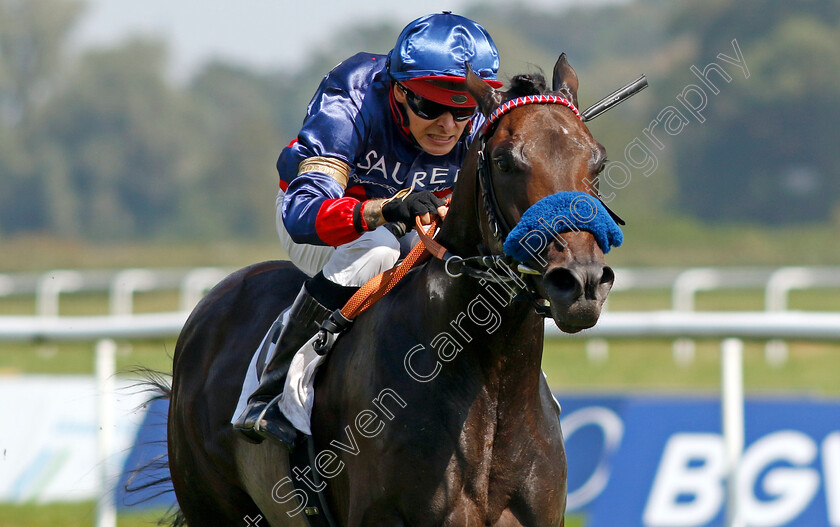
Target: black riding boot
{"points": [[262, 418]]}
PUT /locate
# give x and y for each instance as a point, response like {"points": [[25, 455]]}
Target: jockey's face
{"points": [[437, 136]]}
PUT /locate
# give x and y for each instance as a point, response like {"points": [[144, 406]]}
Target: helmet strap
{"points": [[399, 113]]}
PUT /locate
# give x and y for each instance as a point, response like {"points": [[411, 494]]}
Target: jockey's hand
{"points": [[421, 204]]}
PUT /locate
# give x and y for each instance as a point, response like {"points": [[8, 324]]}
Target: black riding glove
{"points": [[415, 204]]}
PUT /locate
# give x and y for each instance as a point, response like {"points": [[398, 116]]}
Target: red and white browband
{"points": [[522, 101]]}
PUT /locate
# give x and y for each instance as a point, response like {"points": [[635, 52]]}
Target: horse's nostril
{"points": [[607, 275], [563, 281], [580, 281]]}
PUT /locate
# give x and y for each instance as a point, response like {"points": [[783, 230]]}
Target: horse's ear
{"points": [[565, 78], [486, 96]]}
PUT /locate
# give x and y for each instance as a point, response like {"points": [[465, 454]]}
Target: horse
{"points": [[432, 410]]}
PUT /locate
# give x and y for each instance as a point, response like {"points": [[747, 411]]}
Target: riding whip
{"points": [[618, 96]]}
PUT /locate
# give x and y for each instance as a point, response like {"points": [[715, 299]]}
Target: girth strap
{"points": [[302, 461]]}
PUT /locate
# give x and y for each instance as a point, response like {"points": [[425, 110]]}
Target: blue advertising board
{"points": [[144, 480], [659, 461]]}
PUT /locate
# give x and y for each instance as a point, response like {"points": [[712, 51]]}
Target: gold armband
{"points": [[335, 168]]}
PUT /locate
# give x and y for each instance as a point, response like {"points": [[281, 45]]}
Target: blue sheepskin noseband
{"points": [[558, 213]]}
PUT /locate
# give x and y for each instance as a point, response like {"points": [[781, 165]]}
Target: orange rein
{"points": [[381, 284]]}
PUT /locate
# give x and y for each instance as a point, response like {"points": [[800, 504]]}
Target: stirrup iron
{"points": [[331, 329]]}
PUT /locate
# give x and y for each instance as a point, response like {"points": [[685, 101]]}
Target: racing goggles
{"points": [[430, 110]]}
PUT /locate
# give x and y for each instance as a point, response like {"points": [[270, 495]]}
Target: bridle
{"points": [[490, 266], [499, 227]]}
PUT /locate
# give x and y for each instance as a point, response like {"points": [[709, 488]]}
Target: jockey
{"points": [[378, 124]]}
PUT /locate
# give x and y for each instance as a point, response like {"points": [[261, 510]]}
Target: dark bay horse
{"points": [[432, 410]]}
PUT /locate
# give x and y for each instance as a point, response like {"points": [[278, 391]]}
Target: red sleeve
{"points": [[334, 222]]}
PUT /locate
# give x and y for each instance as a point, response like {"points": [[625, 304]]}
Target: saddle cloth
{"points": [[299, 391]]}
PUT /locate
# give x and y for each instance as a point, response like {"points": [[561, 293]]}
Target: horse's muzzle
{"points": [[577, 292]]}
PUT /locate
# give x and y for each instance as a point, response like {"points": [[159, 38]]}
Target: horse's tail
{"points": [[159, 386]]}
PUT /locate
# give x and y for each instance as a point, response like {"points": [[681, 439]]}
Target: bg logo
{"points": [[776, 482]]}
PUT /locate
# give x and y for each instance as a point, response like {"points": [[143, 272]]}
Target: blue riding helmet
{"points": [[430, 53]]}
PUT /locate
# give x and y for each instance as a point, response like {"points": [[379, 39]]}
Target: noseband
{"points": [[487, 266]]}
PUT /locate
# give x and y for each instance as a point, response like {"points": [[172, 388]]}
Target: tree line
{"points": [[104, 146]]}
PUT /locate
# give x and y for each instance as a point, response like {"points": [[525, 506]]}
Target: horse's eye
{"points": [[503, 163], [603, 166]]}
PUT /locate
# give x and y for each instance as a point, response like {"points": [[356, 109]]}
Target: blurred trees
{"points": [[121, 143], [769, 151], [233, 187], [609, 46], [32, 33], [105, 147], [764, 153]]}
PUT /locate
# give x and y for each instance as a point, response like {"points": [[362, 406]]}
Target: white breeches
{"points": [[351, 264]]}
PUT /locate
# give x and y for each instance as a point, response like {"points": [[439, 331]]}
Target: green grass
{"points": [[649, 242], [69, 515], [827, 299], [91, 304], [78, 358], [648, 366], [682, 242], [47, 253]]}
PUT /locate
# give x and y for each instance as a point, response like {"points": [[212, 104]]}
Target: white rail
{"points": [[792, 325], [196, 283], [124, 285], [121, 285], [776, 293], [732, 392], [661, 324], [692, 281], [102, 329], [7, 285], [41, 329], [106, 508]]}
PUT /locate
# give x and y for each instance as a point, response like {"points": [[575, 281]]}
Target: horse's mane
{"points": [[526, 84]]}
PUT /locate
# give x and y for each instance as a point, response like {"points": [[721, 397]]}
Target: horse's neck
{"points": [[512, 350], [460, 233], [496, 340], [500, 340]]}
